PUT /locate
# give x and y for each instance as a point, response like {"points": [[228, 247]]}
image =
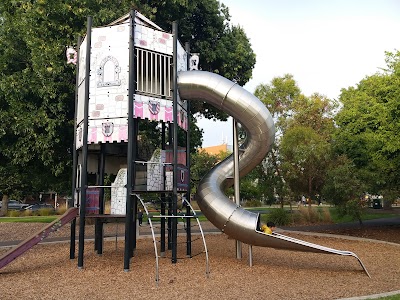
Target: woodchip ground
{"points": [[46, 272]]}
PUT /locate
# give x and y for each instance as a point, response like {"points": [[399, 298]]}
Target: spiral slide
{"points": [[248, 110], [34, 239]]}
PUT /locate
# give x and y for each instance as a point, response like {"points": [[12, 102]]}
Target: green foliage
{"points": [[37, 86], [368, 123], [355, 209], [305, 155], [302, 150], [37, 93], [316, 112], [312, 215], [342, 182], [234, 47], [252, 203], [279, 216], [13, 213], [46, 212], [278, 96], [201, 164]]}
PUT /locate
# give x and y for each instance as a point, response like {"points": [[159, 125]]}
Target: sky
{"points": [[326, 45]]}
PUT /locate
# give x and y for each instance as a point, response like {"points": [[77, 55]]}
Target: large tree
{"points": [[37, 86], [223, 48], [201, 163], [304, 126], [278, 97], [305, 156], [368, 126]]}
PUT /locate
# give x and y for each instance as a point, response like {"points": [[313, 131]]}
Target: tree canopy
{"points": [[338, 149], [37, 86], [368, 124]]}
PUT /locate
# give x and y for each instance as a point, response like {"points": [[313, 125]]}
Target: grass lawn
{"points": [[30, 219]]}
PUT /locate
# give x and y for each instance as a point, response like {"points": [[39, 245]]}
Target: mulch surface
{"points": [[46, 272]]}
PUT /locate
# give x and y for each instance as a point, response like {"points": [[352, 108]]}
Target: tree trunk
{"points": [[309, 190], [4, 207], [278, 171]]}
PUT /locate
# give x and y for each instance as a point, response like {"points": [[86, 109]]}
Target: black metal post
{"points": [[74, 159], [169, 197], [130, 155], [188, 211], [175, 140], [135, 199], [98, 240], [162, 221], [82, 209]]}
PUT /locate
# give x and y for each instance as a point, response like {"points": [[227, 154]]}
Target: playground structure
{"points": [[132, 72], [126, 78]]}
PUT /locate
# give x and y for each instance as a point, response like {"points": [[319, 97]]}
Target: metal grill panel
{"points": [[153, 73]]}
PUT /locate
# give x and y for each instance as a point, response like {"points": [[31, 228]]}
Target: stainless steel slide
{"points": [[248, 110]]}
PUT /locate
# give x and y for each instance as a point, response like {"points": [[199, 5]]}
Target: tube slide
{"points": [[248, 110], [24, 246]]}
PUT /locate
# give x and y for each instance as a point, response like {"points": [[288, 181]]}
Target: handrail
{"points": [[149, 217], [202, 235], [153, 236]]}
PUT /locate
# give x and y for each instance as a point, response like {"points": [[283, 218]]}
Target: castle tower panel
{"points": [[151, 39], [118, 193], [155, 171], [109, 80], [81, 81]]}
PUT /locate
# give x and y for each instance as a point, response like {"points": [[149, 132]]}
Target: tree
{"points": [[278, 97], [201, 163], [316, 112], [342, 183], [224, 49], [305, 155], [252, 186], [368, 123], [304, 126], [37, 86]]}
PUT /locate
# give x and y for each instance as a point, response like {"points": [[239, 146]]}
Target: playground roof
{"points": [[139, 19]]}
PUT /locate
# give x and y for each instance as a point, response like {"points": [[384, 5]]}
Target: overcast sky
{"points": [[326, 45]]}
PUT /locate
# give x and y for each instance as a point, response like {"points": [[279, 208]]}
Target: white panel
{"points": [[81, 81], [81, 102], [78, 136], [151, 39], [118, 193], [155, 174], [182, 58], [82, 61], [109, 77], [108, 130]]}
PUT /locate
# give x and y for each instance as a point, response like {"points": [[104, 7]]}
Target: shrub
{"points": [[107, 207], [45, 212], [307, 215], [252, 203], [279, 216], [26, 213], [61, 211], [326, 215], [14, 213], [353, 208]]}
